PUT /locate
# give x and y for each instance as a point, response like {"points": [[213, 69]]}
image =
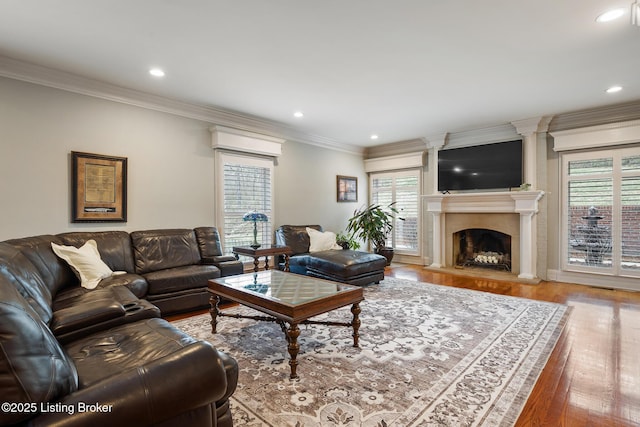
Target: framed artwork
{"points": [[347, 188], [99, 188]]}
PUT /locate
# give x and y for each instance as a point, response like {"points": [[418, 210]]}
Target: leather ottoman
{"points": [[347, 266]]}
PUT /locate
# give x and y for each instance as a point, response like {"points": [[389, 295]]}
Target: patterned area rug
{"points": [[429, 356]]}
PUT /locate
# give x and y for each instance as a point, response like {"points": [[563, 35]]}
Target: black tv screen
{"points": [[481, 167]]}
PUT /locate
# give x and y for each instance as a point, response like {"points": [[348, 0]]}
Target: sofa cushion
{"points": [[208, 241], [110, 352], [114, 247], [295, 237], [152, 374], [164, 249], [33, 366], [180, 278], [181, 301], [85, 262]]}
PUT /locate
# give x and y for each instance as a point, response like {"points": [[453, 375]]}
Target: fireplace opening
{"points": [[479, 247]]}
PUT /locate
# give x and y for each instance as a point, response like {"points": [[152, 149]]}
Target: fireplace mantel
{"points": [[489, 202], [523, 203]]}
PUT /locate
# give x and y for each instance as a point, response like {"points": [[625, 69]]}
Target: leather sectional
{"points": [[70, 356]]}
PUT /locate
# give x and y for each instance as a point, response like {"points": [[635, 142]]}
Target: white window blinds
{"points": [[602, 211], [403, 188], [247, 185]]}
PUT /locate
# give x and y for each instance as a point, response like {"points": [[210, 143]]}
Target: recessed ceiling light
{"points": [[156, 72], [374, 136], [298, 114], [610, 15], [614, 89]]}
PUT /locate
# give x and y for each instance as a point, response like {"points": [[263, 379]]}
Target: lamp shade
{"points": [[255, 217]]}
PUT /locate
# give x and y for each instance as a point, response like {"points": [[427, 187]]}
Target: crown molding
{"points": [[396, 162], [488, 135], [528, 127], [608, 114], [436, 141], [44, 76], [395, 148], [609, 134], [247, 142]]}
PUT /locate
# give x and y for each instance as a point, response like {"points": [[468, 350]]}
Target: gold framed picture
{"points": [[347, 188], [99, 188]]}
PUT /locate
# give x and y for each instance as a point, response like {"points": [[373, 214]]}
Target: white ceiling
{"points": [[402, 69]]}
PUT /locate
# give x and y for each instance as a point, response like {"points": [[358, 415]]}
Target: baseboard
{"points": [[597, 280]]}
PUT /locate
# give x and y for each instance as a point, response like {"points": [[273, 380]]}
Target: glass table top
{"points": [[284, 287]]}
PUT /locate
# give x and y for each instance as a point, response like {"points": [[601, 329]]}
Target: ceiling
{"points": [[401, 69]]}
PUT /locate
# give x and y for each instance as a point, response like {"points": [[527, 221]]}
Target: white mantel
{"points": [[523, 203]]}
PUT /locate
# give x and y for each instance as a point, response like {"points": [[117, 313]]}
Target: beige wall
{"points": [[306, 186], [171, 165]]}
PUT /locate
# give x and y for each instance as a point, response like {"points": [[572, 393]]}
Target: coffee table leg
{"points": [[214, 301], [256, 261], [292, 338], [355, 310], [266, 262]]}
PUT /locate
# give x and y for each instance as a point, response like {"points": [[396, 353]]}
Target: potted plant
{"points": [[374, 223]]}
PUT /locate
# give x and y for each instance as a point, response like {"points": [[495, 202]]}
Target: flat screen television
{"points": [[481, 167]]}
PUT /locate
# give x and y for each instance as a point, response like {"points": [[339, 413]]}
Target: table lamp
{"points": [[255, 217]]}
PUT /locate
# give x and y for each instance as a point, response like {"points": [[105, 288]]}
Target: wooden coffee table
{"points": [[289, 299]]}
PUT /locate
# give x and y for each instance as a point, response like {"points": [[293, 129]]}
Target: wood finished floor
{"points": [[593, 376]]}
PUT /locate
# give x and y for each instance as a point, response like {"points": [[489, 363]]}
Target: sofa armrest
{"points": [[79, 316], [165, 388]]}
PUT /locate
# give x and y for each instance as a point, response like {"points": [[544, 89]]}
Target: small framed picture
{"points": [[99, 188], [347, 188]]}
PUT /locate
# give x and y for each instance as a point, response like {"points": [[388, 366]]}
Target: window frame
{"points": [[414, 172], [223, 157], [617, 175]]}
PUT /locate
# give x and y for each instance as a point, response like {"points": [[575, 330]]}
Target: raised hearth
{"points": [[510, 213]]}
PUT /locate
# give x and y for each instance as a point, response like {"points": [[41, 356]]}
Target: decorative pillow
{"points": [[322, 241], [85, 262]]}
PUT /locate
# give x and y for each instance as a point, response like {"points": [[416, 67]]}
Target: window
{"points": [[602, 211], [247, 185], [403, 188]]}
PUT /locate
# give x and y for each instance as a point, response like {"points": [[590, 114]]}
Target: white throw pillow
{"points": [[322, 241], [85, 262]]}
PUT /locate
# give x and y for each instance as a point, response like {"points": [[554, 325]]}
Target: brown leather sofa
{"points": [[165, 267], [76, 357], [346, 266]]}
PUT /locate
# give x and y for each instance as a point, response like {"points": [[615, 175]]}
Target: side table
{"points": [[266, 252]]}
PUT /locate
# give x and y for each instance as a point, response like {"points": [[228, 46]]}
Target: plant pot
{"points": [[386, 252], [345, 245]]}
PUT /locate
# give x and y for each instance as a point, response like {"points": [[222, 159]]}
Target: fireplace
{"points": [[509, 213], [481, 247]]}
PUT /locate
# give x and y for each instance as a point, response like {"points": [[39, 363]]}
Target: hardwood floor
{"points": [[593, 376]]}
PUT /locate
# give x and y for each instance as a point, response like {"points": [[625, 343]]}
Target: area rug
{"points": [[429, 356]]}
